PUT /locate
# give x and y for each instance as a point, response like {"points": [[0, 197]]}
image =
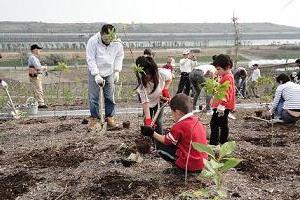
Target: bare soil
{"points": [[57, 158]]}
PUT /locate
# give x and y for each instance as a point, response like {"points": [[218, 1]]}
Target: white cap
{"points": [[186, 51]]}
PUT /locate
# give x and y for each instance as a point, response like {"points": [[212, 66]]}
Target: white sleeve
{"points": [[165, 74], [119, 59], [91, 57]]}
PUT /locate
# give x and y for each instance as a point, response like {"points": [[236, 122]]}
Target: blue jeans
{"points": [[108, 92], [279, 109]]}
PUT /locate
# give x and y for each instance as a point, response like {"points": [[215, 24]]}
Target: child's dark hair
{"points": [[243, 73], [223, 61], [181, 102], [106, 28], [297, 61], [282, 78], [150, 68], [148, 52]]}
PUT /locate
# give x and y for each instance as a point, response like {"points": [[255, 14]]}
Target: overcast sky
{"points": [[284, 12]]}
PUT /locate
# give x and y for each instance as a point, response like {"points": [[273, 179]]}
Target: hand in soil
{"points": [[147, 131]]}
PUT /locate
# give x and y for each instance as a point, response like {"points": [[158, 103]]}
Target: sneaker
{"points": [[231, 116], [209, 113], [276, 120], [94, 124], [43, 106], [111, 123]]}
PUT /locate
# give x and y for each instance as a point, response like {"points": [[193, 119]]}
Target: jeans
{"points": [[167, 152], [279, 109], [219, 128], [283, 114], [108, 93], [197, 80], [184, 83], [159, 120], [241, 86]]}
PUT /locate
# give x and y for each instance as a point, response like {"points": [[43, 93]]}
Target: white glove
{"points": [[99, 80], [3, 84], [220, 110], [116, 77]]}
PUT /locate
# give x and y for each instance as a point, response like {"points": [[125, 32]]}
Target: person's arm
{"points": [[119, 59], [146, 110], [91, 57], [277, 98], [160, 138]]}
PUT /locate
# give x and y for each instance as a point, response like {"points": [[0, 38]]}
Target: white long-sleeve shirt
{"points": [[255, 75], [290, 92], [186, 65], [102, 59]]}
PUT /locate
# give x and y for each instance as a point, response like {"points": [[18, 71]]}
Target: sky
{"points": [[285, 12]]}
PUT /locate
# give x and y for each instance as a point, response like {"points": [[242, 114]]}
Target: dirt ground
{"points": [[57, 158]]}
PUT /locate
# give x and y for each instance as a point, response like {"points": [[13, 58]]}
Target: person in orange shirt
{"points": [[221, 108]]}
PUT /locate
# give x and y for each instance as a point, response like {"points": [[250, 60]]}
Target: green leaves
{"points": [[227, 148], [217, 90], [216, 166], [62, 67], [138, 69], [112, 35], [203, 148], [230, 163]]}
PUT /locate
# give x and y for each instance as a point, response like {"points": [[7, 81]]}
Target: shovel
{"points": [[103, 123], [158, 112], [15, 113]]}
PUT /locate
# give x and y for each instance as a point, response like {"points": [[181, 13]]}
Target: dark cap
{"points": [[255, 65], [35, 46]]}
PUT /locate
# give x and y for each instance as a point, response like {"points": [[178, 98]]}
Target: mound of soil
{"points": [[66, 156], [120, 185], [13, 185]]}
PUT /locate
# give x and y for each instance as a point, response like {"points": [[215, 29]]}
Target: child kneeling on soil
{"points": [[176, 145]]}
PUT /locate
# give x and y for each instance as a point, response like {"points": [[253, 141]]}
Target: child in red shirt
{"points": [[221, 108], [175, 146]]}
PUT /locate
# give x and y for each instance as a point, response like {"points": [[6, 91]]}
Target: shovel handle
{"points": [[158, 112]]}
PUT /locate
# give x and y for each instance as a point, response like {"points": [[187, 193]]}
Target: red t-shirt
{"points": [[180, 135], [168, 66], [230, 100]]}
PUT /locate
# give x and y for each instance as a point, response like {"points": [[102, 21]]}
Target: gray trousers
{"points": [[197, 81]]}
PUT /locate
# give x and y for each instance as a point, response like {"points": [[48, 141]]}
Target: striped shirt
{"points": [[34, 61], [290, 92]]}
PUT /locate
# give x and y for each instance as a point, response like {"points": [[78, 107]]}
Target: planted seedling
{"points": [[220, 161]]}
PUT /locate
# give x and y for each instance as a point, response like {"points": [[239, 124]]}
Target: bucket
{"points": [[32, 106]]}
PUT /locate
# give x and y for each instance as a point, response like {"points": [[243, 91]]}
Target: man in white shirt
{"points": [[36, 75], [104, 56], [186, 65], [253, 80]]}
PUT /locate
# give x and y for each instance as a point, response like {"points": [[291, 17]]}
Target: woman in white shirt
{"points": [[153, 86]]}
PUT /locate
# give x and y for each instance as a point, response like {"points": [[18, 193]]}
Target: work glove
{"points": [[165, 92], [116, 77], [3, 84], [220, 110], [147, 131], [99, 80], [148, 122]]}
